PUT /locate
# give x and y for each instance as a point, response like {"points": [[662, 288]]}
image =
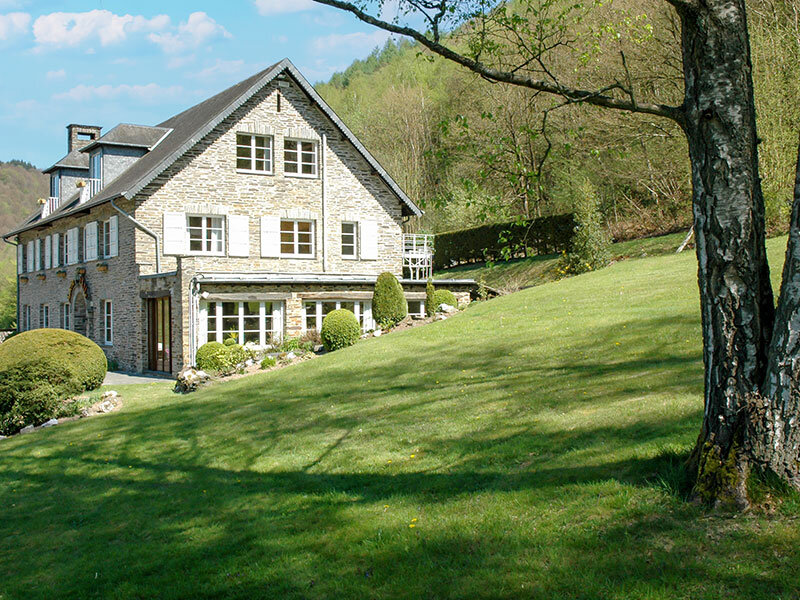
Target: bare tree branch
{"points": [[596, 98]]}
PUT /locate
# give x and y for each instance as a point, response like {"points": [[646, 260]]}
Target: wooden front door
{"points": [[159, 334]]}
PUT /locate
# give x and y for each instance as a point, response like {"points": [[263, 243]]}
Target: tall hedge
{"points": [[543, 235], [389, 304]]}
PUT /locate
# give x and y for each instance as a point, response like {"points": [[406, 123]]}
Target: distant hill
{"points": [[21, 184]]}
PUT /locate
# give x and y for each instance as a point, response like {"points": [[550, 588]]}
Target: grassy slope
{"points": [[513, 275], [531, 441]]}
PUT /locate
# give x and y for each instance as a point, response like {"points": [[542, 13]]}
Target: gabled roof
{"points": [[125, 134], [192, 125], [73, 160]]}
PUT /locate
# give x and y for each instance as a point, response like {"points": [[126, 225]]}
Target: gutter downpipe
{"points": [[10, 243], [144, 229], [324, 186]]}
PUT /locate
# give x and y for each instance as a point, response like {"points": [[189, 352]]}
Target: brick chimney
{"points": [[79, 136]]}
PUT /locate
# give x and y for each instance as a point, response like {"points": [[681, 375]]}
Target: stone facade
{"points": [[205, 181]]}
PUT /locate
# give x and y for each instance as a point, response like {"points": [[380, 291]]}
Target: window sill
{"points": [[300, 176], [246, 172], [217, 254], [349, 257], [299, 256]]}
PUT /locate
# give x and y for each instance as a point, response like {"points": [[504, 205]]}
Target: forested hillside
{"points": [[21, 184], [470, 151]]}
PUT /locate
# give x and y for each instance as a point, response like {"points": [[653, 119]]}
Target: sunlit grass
{"points": [[530, 446]]}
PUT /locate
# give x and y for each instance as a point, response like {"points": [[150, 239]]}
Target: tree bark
{"points": [[774, 429], [735, 292]]}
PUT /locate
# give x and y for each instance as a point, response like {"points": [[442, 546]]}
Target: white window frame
{"points": [[66, 316], [55, 185], [44, 315], [363, 312], [204, 229], [295, 241], [269, 157], [298, 148], [96, 165], [354, 244], [211, 312], [108, 323]]}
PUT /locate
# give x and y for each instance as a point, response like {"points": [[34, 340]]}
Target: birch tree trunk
{"points": [[735, 293]]}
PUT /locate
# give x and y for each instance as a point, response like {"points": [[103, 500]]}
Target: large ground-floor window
{"points": [[259, 323], [315, 310]]}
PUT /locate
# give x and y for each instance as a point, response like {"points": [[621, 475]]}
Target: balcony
{"points": [[417, 256], [95, 185], [49, 206]]}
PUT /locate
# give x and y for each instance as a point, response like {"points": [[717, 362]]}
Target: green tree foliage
{"points": [[389, 305], [340, 329], [430, 298], [8, 304], [590, 244]]}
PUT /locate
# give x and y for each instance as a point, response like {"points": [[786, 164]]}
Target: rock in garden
{"points": [[447, 308], [2, 437], [105, 407], [50, 423], [377, 333], [109, 395], [291, 356], [27, 429], [189, 379]]}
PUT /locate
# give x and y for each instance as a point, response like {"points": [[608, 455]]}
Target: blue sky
{"points": [[105, 62]]}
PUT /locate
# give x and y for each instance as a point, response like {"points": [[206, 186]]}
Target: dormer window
{"points": [[55, 185], [253, 153], [95, 166]]}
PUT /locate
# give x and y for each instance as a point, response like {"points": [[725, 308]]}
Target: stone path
{"points": [[116, 378]]}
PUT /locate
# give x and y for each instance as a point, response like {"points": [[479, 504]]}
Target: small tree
{"points": [[389, 305], [590, 244], [430, 308]]}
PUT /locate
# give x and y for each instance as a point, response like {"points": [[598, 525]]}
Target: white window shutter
{"points": [[20, 258], [90, 241], [175, 233], [38, 259], [56, 259], [369, 239], [72, 246], [238, 235], [270, 236], [48, 247], [113, 236]]}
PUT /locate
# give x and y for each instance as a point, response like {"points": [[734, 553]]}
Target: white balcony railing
{"points": [[418, 255], [95, 185], [49, 206]]}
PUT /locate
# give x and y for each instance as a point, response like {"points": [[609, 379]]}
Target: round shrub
{"points": [[229, 341], [213, 357], [444, 297], [31, 394], [389, 304], [82, 359], [430, 299], [340, 329], [237, 355], [268, 362]]}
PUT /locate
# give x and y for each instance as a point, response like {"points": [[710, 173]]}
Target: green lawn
{"points": [[527, 447], [513, 275]]}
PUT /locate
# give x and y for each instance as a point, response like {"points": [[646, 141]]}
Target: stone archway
{"points": [[79, 320]]}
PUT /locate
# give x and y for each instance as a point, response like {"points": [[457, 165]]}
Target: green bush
{"points": [[501, 241], [81, 357], [590, 244], [340, 329], [389, 305], [229, 341], [213, 357], [444, 297], [430, 299], [238, 355], [32, 393], [268, 362]]}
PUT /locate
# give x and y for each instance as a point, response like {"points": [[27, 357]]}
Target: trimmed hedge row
{"points": [[543, 235]]}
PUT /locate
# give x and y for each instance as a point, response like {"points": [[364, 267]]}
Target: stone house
{"points": [[249, 215]]}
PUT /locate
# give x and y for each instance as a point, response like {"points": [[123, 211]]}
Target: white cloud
{"points": [[221, 67], [350, 41], [176, 62], [276, 7], [150, 93], [194, 32], [59, 74], [13, 24], [62, 29]]}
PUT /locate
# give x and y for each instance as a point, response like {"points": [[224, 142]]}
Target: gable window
{"points": [[206, 234], [108, 323], [65, 316], [297, 238], [44, 315], [300, 158], [253, 153], [349, 237], [314, 312]]}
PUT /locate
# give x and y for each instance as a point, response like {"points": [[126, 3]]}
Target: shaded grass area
{"points": [[516, 274], [530, 446]]}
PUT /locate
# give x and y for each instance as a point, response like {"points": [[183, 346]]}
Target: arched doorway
{"points": [[79, 312]]}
